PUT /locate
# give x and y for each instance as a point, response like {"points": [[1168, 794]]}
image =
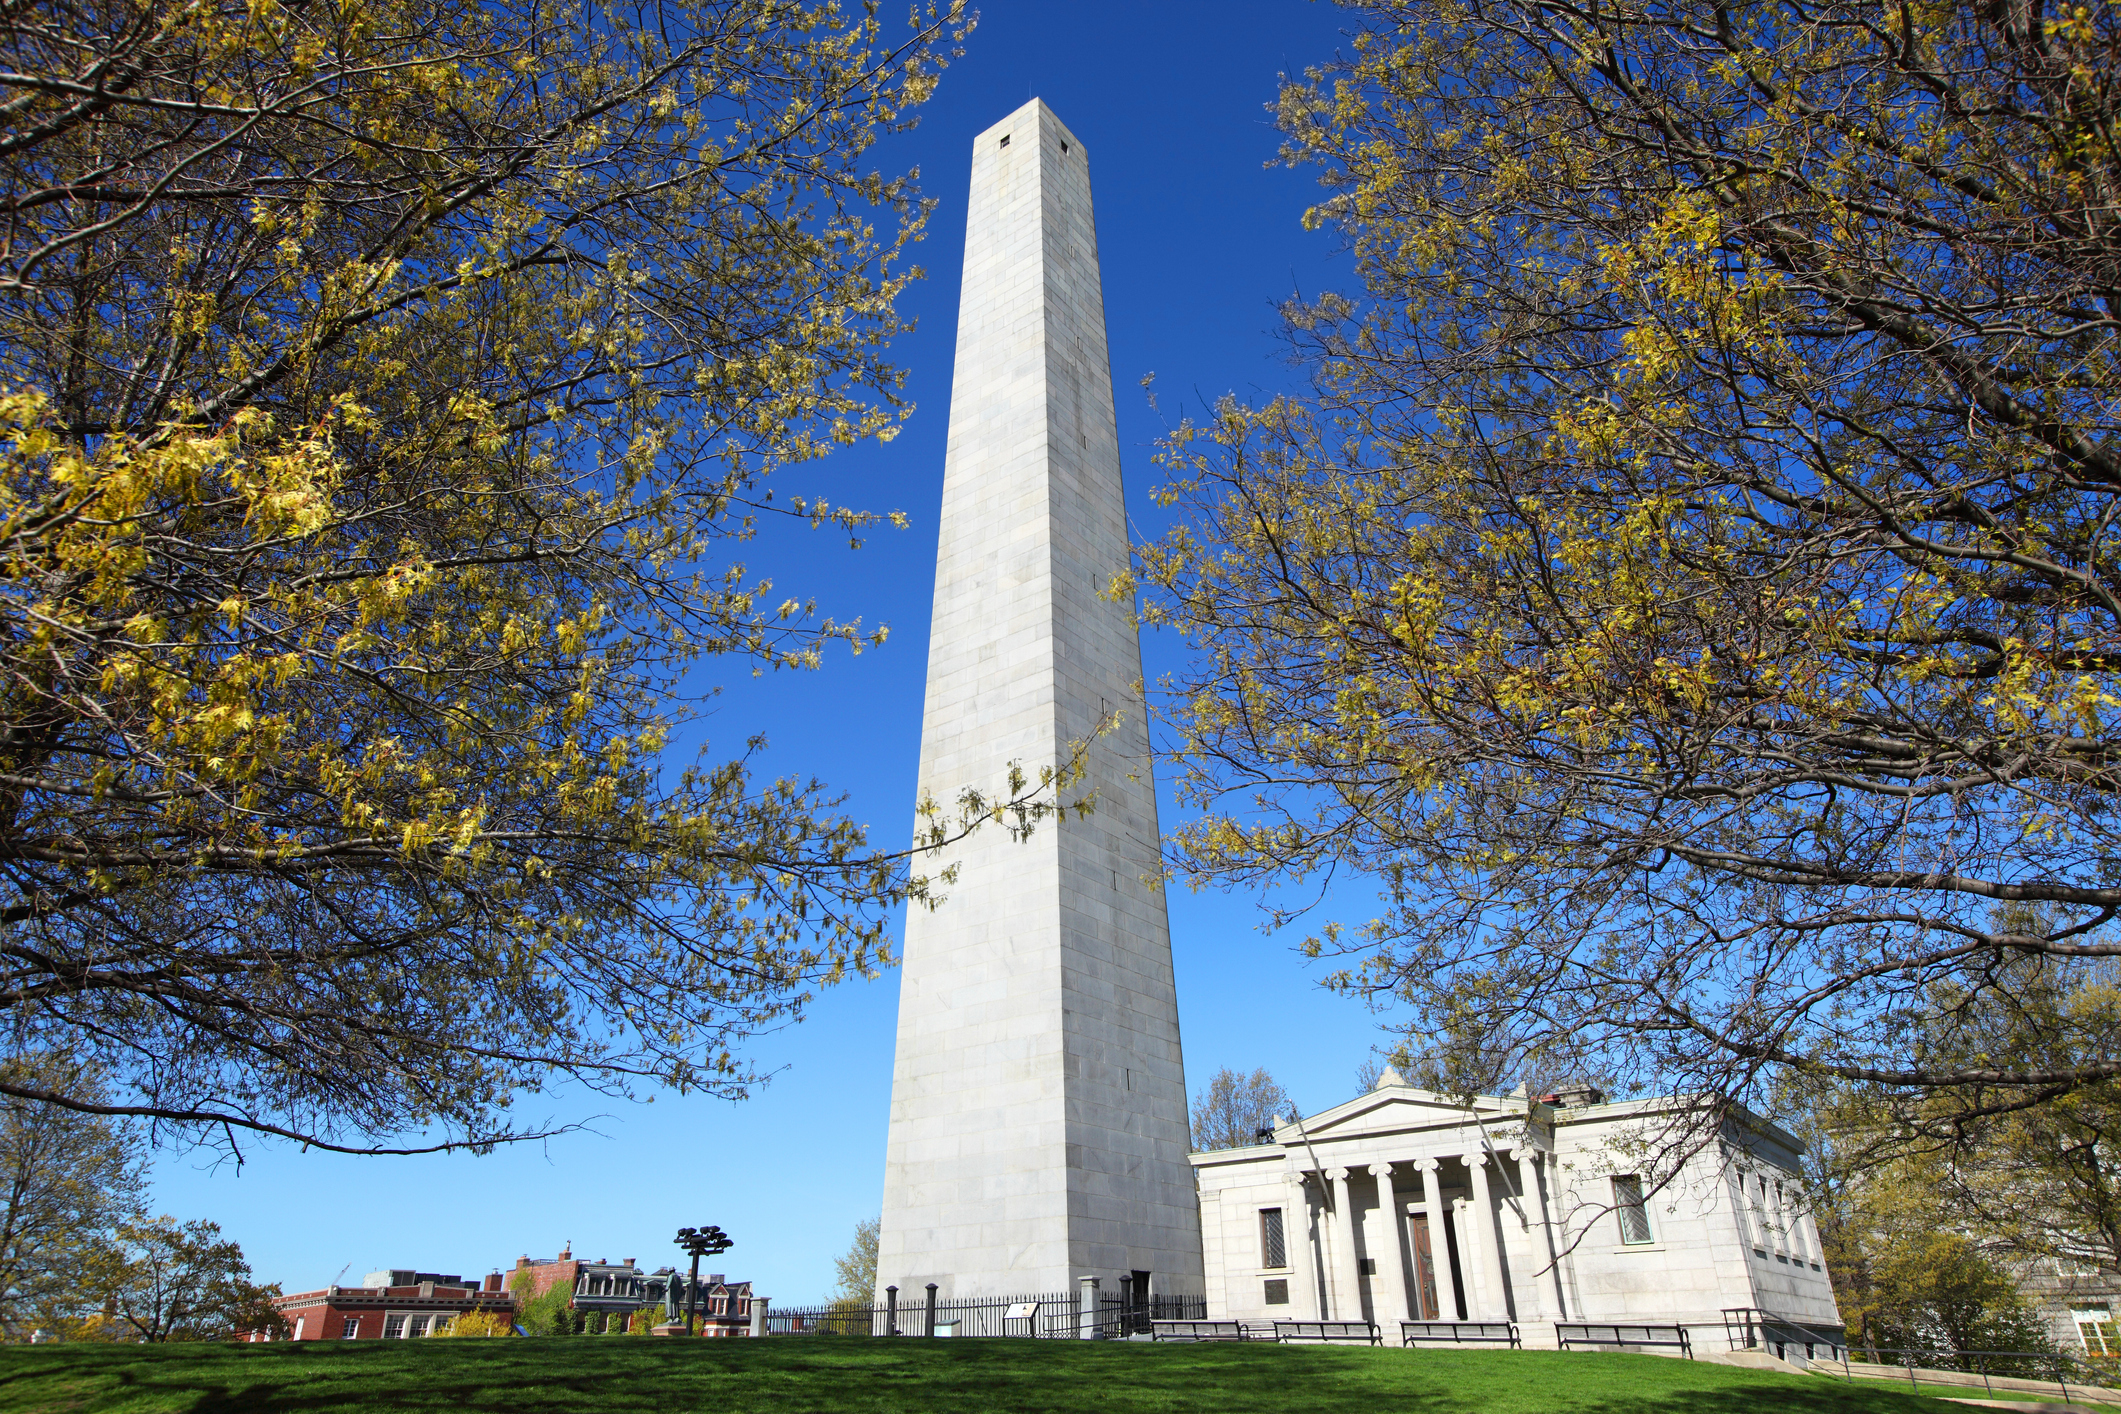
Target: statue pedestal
{"points": [[671, 1328]]}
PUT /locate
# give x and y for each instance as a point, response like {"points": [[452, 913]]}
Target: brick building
{"points": [[605, 1289], [391, 1305]]}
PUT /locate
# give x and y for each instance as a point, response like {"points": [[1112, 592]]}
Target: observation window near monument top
{"points": [[1005, 140]]}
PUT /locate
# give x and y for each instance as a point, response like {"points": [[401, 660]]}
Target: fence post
{"points": [[758, 1315], [1086, 1326], [931, 1309], [890, 1310]]}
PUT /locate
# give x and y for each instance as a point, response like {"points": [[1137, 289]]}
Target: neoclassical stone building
{"points": [[1405, 1204]]}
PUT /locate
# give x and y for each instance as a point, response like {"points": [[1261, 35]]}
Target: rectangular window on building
{"points": [[416, 1327], [393, 1327], [2096, 1328], [1634, 1213], [1278, 1292], [353, 1328], [1273, 1248], [1366, 1266]]}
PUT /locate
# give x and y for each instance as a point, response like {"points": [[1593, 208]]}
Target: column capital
{"points": [[1473, 1159], [1337, 1175], [1427, 1165], [1380, 1170]]}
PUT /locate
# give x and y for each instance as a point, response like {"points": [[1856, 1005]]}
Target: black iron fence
{"points": [[1784, 1337], [1040, 1316], [2073, 1377]]}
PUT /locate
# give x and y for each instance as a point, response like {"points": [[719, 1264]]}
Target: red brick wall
{"points": [[547, 1275], [323, 1313]]}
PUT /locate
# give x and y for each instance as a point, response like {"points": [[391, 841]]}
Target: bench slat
{"points": [[1196, 1330], [1461, 1333], [1567, 1333], [1287, 1331]]}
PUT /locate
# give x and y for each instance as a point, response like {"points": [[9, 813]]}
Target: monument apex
{"points": [[1038, 1102]]}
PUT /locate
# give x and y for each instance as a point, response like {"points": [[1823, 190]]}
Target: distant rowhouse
{"points": [[606, 1289], [1403, 1204], [402, 1304], [391, 1305]]}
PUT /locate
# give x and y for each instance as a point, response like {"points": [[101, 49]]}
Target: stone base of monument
{"points": [[671, 1328]]}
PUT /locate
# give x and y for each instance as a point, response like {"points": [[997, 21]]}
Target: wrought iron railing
{"points": [[1783, 1336], [1044, 1316], [2073, 1377]]}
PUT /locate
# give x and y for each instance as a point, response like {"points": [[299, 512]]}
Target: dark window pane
{"points": [[1627, 1202]]}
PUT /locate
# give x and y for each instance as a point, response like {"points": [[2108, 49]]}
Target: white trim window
{"points": [[1633, 1212], [1795, 1217], [1273, 1240], [2097, 1329], [394, 1326], [352, 1329]]}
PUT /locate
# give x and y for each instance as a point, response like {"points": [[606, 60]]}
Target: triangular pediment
{"points": [[1391, 1108]]}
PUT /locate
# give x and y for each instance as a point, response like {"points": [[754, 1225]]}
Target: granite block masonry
{"points": [[1038, 1104]]}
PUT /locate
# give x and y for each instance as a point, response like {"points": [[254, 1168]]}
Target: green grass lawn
{"points": [[795, 1375]]}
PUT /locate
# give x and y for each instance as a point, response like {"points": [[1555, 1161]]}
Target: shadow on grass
{"points": [[623, 1376]]}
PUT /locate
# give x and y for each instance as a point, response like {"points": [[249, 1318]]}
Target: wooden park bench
{"points": [[1290, 1332], [1418, 1333], [1196, 1330], [1624, 1335]]}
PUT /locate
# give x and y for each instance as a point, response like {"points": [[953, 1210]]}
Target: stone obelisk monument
{"points": [[1038, 1105]]}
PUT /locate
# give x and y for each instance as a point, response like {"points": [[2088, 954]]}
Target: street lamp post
{"points": [[700, 1242]]}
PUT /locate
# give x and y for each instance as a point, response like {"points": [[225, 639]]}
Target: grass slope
{"points": [[796, 1376]]}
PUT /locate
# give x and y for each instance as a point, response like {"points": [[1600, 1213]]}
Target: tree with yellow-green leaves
{"points": [[68, 1181], [2034, 1184], [385, 390], [1690, 583]]}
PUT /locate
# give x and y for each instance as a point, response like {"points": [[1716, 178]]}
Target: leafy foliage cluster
{"points": [[1690, 583], [79, 1256], [1233, 1109], [384, 388], [1909, 1275], [854, 1271]]}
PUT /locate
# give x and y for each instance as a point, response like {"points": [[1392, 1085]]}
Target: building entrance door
{"points": [[1424, 1270]]}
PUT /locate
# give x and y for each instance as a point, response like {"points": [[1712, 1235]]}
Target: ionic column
{"points": [[1532, 1201], [1490, 1258], [1439, 1243], [1296, 1233], [1401, 1306], [1349, 1308]]}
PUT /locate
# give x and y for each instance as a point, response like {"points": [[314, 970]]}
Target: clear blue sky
{"points": [[1198, 240]]}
